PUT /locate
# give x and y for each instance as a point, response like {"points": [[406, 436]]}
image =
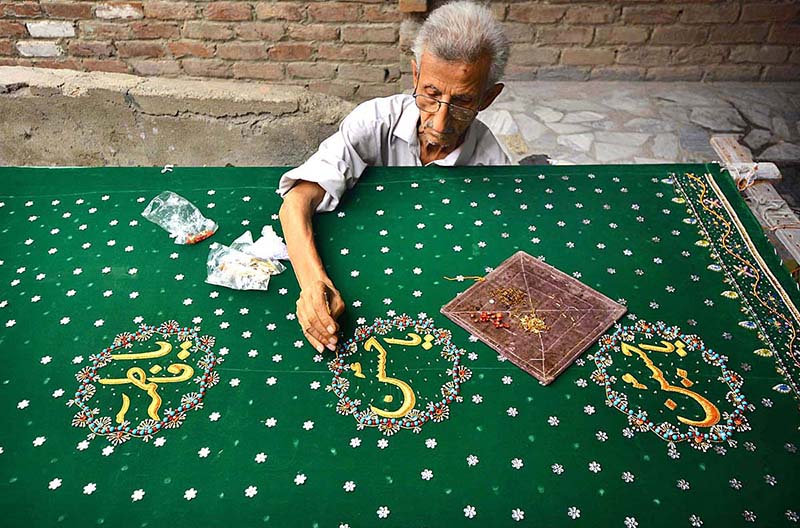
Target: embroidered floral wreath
{"points": [[88, 416], [436, 411]]}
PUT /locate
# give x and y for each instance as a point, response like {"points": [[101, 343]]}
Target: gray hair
{"points": [[464, 31]]}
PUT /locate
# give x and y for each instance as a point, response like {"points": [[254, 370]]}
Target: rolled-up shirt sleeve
{"points": [[339, 162]]}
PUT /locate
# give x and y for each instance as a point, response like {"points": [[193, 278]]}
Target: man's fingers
{"points": [[313, 333]]}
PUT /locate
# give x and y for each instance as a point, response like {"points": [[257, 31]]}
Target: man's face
{"points": [[450, 82]]}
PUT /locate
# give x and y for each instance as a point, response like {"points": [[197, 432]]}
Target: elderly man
{"points": [[460, 53]]}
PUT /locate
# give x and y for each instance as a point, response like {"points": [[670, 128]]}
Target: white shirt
{"points": [[382, 132]]}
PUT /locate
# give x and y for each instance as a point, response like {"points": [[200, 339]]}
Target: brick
{"points": [[621, 35], [675, 73], [594, 14], [517, 32], [738, 33], [311, 70], [242, 51], [313, 32], [135, 48], [258, 70], [715, 13], [529, 55], [371, 91], [123, 10], [338, 52], [92, 29], [535, 13], [192, 48], [784, 34], [369, 34], [156, 67], [617, 73], [700, 55], [279, 10], [732, 72], [795, 57], [333, 12], [170, 10], [565, 35], [50, 29], [563, 73], [64, 10], [412, 6], [290, 52], [516, 72], [7, 47], [9, 28], [661, 14], [207, 31], [20, 9], [380, 13], [59, 64], [771, 12], [227, 11], [783, 72], [644, 56], [92, 48], [206, 67], [759, 54], [105, 65], [680, 35], [587, 56], [498, 11], [39, 48], [345, 90], [361, 72], [155, 30], [269, 31], [383, 54]]}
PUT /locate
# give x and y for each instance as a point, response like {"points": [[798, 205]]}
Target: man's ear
{"points": [[491, 95], [414, 71]]}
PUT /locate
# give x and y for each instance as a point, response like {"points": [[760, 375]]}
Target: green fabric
{"points": [[631, 232]]}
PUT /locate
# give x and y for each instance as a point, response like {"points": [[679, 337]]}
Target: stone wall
{"points": [[359, 49]]}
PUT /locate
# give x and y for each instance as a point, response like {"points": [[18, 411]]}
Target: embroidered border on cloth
{"points": [[735, 256]]}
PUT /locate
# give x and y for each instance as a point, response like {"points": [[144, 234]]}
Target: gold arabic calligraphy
{"points": [[711, 412], [409, 398], [137, 376]]}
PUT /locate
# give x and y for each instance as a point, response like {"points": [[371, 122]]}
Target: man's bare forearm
{"points": [[296, 215]]}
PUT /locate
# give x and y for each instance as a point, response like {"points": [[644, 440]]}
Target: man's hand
{"points": [[318, 307]]}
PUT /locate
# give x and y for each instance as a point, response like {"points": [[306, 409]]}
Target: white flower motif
{"points": [[204, 452], [594, 467], [54, 484], [355, 442], [383, 443], [300, 479], [137, 495], [507, 380], [308, 425], [517, 514], [271, 422], [628, 477], [430, 443], [214, 416], [160, 441], [251, 492], [553, 421], [517, 463], [426, 474], [469, 511], [190, 493], [23, 404], [573, 512], [349, 486], [477, 398], [630, 522], [39, 440], [89, 488], [512, 411], [261, 458], [558, 469], [383, 512], [472, 460]]}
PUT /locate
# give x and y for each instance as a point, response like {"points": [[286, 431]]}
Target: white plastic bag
{"points": [[184, 222]]}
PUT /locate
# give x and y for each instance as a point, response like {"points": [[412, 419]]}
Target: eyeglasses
{"points": [[431, 105]]}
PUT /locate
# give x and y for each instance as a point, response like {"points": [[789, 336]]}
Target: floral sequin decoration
{"points": [[194, 366], [377, 339], [708, 423]]}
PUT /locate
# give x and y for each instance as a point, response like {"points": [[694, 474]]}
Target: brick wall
{"points": [[358, 49]]}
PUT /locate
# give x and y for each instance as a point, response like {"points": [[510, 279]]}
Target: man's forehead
{"points": [[442, 74]]}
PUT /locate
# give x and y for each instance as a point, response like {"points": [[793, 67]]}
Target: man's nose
{"points": [[442, 120]]}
